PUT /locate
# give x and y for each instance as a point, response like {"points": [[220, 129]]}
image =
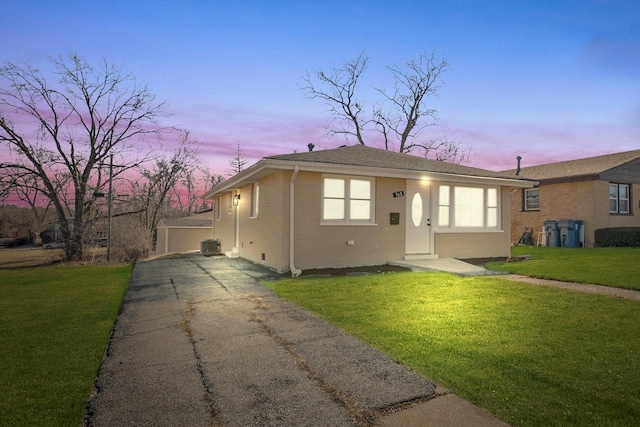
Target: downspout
{"points": [[294, 271]]}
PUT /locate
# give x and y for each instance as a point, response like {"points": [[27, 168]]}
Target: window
{"points": [[532, 199], [255, 194], [347, 200], [218, 208], [619, 202], [492, 207], [443, 206], [468, 207]]}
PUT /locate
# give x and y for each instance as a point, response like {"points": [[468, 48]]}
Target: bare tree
{"points": [[62, 133], [402, 114], [196, 182], [237, 162], [156, 190]]}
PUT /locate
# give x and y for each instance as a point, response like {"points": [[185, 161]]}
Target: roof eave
{"points": [[249, 175]]}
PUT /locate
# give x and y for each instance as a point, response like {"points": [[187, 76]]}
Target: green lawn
{"points": [[531, 355], [617, 267], [55, 326]]}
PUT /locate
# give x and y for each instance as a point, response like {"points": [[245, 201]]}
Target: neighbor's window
{"points": [[468, 207], [347, 199], [255, 196], [532, 199], [218, 208], [619, 198]]}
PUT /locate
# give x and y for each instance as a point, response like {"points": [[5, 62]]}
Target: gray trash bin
{"points": [[552, 233], [570, 233]]}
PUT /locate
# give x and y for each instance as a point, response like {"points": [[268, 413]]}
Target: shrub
{"points": [[618, 236]]}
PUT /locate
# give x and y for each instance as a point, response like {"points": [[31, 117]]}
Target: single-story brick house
{"points": [[183, 234], [359, 206], [601, 191]]}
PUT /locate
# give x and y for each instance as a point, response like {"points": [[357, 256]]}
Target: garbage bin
{"points": [[210, 247], [552, 233], [570, 233]]}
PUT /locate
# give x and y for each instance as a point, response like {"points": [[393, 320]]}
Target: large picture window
{"points": [[347, 200], [468, 207], [619, 198]]}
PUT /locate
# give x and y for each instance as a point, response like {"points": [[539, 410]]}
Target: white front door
{"points": [[418, 228]]}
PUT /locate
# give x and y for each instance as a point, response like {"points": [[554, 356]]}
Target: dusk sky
{"points": [[546, 80]]}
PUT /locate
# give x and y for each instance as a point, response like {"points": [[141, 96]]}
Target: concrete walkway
{"points": [[199, 342], [447, 265]]}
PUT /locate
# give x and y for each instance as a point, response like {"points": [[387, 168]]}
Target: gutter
{"points": [[295, 272]]}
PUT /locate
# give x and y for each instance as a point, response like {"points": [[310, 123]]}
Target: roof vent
{"points": [[518, 168], [310, 146]]}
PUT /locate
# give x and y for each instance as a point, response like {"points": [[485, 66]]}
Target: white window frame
{"points": [[447, 209], [255, 198], [617, 198], [347, 199], [218, 208], [526, 206]]}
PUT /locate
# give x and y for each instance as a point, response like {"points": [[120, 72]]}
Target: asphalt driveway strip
{"points": [[199, 342]]}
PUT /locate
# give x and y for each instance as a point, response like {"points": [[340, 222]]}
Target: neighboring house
{"points": [[183, 234], [602, 192], [357, 206]]}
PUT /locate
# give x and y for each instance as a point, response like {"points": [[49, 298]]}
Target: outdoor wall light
{"points": [[236, 199]]}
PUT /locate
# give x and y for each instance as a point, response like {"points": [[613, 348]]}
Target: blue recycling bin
{"points": [[552, 233], [570, 233]]}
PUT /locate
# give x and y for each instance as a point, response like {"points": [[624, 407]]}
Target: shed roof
{"points": [[589, 166], [196, 220]]}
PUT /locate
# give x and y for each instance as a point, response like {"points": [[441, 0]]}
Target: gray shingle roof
{"points": [[576, 168], [360, 155]]}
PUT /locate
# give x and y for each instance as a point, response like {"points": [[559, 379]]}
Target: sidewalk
{"points": [[200, 342]]}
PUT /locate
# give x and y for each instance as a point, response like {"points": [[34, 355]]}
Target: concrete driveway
{"points": [[200, 342]]}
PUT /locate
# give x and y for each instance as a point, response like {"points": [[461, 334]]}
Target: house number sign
{"points": [[398, 194]]}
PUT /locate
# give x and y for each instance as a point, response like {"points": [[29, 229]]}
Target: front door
{"points": [[418, 228]]}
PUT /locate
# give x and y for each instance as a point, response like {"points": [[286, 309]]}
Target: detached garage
{"points": [[183, 234]]}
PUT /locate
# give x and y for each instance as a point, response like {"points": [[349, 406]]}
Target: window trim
{"points": [[525, 205], [618, 199], [218, 208], [347, 201]]}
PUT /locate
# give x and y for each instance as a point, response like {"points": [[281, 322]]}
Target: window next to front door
{"points": [[619, 202]]}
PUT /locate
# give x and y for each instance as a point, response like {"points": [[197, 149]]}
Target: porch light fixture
{"points": [[236, 199]]}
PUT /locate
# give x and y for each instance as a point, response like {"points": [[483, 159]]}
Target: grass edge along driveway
{"points": [[56, 323], [530, 355]]}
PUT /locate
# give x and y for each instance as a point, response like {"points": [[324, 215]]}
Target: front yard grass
{"points": [[617, 267], [530, 355], [55, 326]]}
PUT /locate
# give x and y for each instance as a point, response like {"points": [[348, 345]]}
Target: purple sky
{"points": [[546, 80]]}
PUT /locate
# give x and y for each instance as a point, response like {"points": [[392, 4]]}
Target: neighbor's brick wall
{"points": [[583, 200]]}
